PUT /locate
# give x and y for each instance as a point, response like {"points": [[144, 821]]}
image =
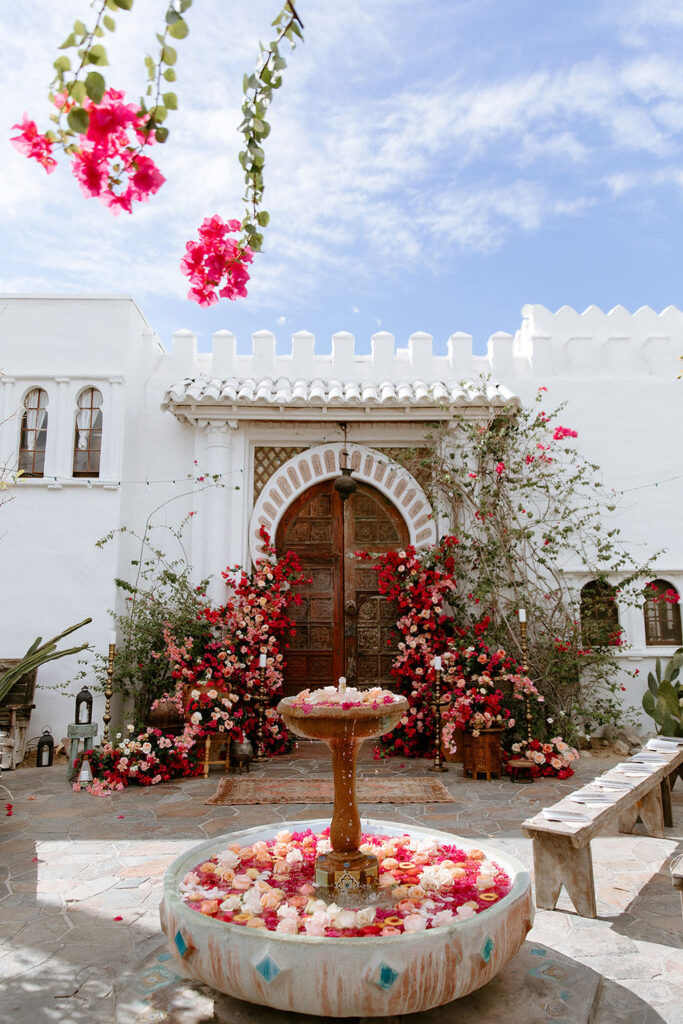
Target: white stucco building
{"points": [[269, 424]]}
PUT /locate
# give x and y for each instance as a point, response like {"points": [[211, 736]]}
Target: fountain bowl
{"points": [[372, 976]]}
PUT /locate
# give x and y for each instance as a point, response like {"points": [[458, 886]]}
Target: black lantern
{"points": [[84, 707], [345, 485], [46, 750]]}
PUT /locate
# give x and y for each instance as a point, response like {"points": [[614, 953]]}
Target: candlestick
{"points": [[342, 685], [437, 663], [438, 766], [106, 717], [260, 699], [522, 614]]}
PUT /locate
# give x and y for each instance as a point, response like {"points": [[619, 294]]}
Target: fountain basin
{"points": [[355, 976]]}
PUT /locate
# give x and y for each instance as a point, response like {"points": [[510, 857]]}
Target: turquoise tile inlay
{"points": [[539, 952], [180, 943], [385, 976], [487, 950], [163, 956], [267, 968]]}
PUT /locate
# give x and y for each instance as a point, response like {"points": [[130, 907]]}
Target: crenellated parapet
{"points": [[564, 345]]}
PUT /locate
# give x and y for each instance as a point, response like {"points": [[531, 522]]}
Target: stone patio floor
{"points": [[80, 883]]}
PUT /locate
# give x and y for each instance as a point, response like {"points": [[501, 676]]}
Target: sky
{"points": [[432, 165]]}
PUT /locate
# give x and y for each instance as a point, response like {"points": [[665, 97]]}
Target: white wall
{"points": [[617, 372]]}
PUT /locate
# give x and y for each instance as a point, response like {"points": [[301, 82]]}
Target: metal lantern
{"points": [[345, 485], [45, 751], [84, 707]]}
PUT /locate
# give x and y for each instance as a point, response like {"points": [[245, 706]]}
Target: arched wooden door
{"points": [[343, 626]]}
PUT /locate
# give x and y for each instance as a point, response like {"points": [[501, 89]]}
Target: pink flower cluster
{"points": [[216, 263], [31, 144], [563, 432], [108, 163]]}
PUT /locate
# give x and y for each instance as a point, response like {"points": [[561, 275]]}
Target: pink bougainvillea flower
{"points": [[216, 264], [500, 468], [9, 810], [118, 918], [32, 144]]}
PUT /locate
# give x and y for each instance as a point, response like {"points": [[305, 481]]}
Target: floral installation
{"points": [[146, 759], [421, 586], [210, 711], [271, 885], [549, 757], [253, 622]]}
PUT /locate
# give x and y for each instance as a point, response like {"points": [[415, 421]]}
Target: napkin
{"points": [[560, 814]]}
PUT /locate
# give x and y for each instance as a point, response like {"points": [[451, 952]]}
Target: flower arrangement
{"points": [[549, 757], [271, 885], [254, 621], [146, 759], [210, 711]]}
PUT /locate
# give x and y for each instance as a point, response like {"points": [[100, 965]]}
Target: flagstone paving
{"points": [[80, 884]]}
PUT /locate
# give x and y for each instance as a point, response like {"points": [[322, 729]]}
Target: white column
{"points": [[112, 420], [10, 424], [60, 432], [217, 526]]}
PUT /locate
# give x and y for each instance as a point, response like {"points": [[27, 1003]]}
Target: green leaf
{"points": [[158, 113], [78, 120], [62, 64], [77, 91], [667, 698], [95, 86], [649, 703], [169, 74], [79, 28], [652, 684], [125, 5], [161, 133], [170, 100], [185, 5], [262, 218], [168, 55], [178, 29], [172, 16], [97, 54], [68, 42], [99, 31], [109, 23]]}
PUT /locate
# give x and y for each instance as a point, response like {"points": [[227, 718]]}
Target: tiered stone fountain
{"points": [[345, 976]]}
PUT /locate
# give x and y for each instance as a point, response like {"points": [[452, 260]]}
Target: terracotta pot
{"points": [[482, 754]]}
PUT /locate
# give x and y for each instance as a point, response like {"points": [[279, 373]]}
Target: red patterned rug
{"points": [[320, 791]]}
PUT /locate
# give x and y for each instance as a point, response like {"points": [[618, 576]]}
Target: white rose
{"points": [[346, 919], [365, 917], [231, 903]]}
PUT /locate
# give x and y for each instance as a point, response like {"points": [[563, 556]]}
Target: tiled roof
{"points": [[317, 395]]}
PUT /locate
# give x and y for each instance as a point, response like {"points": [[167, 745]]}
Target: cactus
{"points": [[37, 654], [663, 699]]}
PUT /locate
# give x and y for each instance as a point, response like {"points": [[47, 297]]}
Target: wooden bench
{"points": [[562, 853]]}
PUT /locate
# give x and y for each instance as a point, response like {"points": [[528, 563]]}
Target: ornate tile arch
{"points": [[322, 463]]}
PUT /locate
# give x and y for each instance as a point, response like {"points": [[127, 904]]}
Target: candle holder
{"points": [[438, 765], [106, 717], [260, 700]]}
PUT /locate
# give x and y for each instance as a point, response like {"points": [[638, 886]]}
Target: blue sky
{"points": [[432, 166]]}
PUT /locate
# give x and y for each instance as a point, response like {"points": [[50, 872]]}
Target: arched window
{"points": [[600, 615], [33, 436], [88, 434], [662, 614]]}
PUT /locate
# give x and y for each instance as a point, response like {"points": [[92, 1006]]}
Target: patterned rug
{"points": [[320, 791]]}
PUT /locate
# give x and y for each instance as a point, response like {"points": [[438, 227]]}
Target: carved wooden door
{"points": [[343, 626]]}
